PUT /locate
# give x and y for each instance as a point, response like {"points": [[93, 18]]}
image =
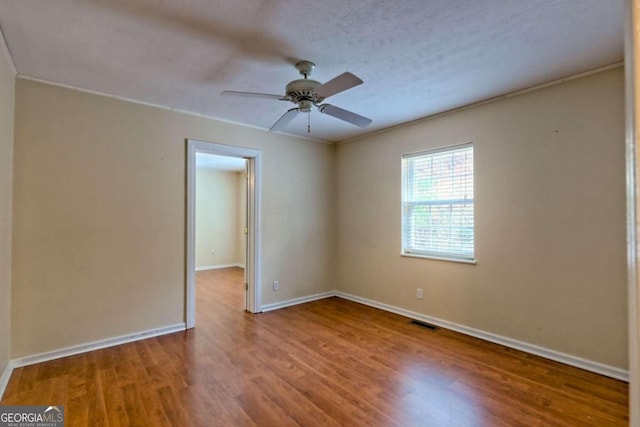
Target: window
{"points": [[437, 203]]}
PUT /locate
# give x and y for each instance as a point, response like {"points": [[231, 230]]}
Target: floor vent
{"points": [[425, 325]]}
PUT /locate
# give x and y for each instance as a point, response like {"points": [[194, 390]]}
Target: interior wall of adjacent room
{"points": [[99, 215], [218, 218], [7, 94], [549, 220]]}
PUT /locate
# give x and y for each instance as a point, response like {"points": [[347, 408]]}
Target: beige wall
{"points": [[99, 215], [7, 92], [99, 202], [550, 220], [218, 218]]}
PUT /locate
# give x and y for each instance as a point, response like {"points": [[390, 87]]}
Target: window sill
{"points": [[462, 261]]}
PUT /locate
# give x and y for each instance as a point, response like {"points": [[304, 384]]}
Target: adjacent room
{"points": [[332, 213], [220, 215]]}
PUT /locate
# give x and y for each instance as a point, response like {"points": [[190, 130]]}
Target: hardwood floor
{"points": [[326, 363]]}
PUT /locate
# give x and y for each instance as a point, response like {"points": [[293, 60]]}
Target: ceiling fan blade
{"points": [[285, 120], [341, 83], [347, 116], [253, 95]]}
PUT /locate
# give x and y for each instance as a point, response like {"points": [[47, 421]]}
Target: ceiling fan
{"points": [[307, 93]]}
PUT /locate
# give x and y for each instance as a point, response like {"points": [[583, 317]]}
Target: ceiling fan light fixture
{"points": [[305, 106]]}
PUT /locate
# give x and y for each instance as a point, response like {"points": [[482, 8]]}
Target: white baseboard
{"points": [[215, 267], [567, 359], [4, 379], [296, 301], [94, 345]]}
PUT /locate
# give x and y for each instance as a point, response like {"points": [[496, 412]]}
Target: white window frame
{"points": [[404, 205]]}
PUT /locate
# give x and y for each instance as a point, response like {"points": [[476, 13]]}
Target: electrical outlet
{"points": [[419, 293], [276, 285], [213, 252]]}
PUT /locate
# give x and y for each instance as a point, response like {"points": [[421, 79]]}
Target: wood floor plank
{"points": [[93, 400], [330, 362], [113, 399]]}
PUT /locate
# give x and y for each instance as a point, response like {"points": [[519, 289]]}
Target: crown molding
{"points": [[7, 54]]}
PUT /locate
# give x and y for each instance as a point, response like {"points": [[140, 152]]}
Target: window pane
{"points": [[438, 203]]}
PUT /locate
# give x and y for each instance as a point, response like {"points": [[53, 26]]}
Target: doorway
{"points": [[252, 261]]}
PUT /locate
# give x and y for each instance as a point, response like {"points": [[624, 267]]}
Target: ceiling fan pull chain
{"points": [[309, 122]]}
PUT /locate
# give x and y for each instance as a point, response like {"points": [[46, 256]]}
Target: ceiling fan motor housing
{"points": [[303, 90]]}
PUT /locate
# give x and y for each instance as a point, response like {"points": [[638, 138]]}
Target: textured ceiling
{"points": [[416, 57]]}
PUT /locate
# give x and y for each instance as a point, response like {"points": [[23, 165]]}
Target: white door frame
{"points": [[253, 221]]}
